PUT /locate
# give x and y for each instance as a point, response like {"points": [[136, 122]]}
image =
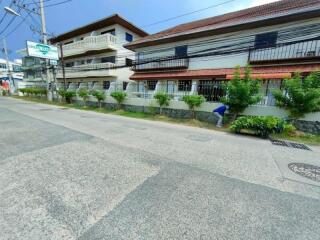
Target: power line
{"points": [[59, 3], [189, 13]]}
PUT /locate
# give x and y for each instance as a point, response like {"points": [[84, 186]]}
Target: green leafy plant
{"points": [[193, 101], [163, 100], [119, 96], [241, 91], [261, 126], [35, 91], [67, 94], [5, 92], [99, 95], [84, 94], [300, 96]]}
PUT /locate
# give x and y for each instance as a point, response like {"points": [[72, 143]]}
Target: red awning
{"points": [[265, 76], [271, 72]]}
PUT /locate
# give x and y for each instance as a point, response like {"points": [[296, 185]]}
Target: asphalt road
{"points": [[71, 174]]}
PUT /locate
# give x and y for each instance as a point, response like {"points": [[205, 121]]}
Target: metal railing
{"points": [[299, 50], [88, 70], [152, 64], [89, 44]]}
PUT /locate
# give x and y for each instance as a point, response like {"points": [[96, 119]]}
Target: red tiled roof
{"points": [[271, 10], [276, 72]]}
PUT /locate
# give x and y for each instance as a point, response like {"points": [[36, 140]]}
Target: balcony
{"points": [[89, 70], [294, 52], [91, 43], [160, 64]]}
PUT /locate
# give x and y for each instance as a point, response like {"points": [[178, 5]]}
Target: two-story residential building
{"points": [[94, 55], [276, 39]]}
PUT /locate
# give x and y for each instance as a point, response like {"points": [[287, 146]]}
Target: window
{"points": [[111, 59], [70, 64], [16, 68], [129, 62], [2, 65], [124, 86], [106, 85], [152, 85], [89, 61], [266, 40], [185, 85], [111, 31], [181, 51], [129, 37], [212, 90]]}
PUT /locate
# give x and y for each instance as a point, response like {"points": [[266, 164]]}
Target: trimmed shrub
{"points": [[163, 99], [119, 96], [36, 91], [67, 95], [193, 101], [99, 95], [84, 94], [261, 126]]}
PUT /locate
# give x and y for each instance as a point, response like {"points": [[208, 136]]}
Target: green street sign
{"points": [[42, 50]]}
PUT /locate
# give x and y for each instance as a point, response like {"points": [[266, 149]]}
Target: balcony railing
{"points": [[305, 50], [89, 70], [91, 43], [160, 64]]}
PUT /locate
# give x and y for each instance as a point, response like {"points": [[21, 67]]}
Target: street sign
{"points": [[42, 51]]}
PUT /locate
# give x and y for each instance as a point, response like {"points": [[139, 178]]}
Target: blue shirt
{"points": [[220, 110]]}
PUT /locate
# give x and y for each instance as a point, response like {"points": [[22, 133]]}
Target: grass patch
{"points": [[300, 137]]}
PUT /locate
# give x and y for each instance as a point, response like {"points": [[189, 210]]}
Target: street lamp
{"points": [[11, 11]]}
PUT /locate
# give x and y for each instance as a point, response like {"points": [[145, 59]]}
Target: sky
{"points": [[67, 16]]}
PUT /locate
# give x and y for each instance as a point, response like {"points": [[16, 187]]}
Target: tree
{"points": [[241, 91], [119, 96], [163, 99], [99, 95], [84, 94], [300, 96], [193, 101]]}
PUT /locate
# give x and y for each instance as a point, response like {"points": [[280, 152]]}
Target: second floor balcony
{"points": [[91, 43], [160, 64], [285, 52], [89, 70]]}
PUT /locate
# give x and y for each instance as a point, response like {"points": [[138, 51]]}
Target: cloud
{"points": [[255, 3]]}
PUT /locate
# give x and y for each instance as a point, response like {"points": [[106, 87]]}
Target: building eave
{"points": [[206, 32], [105, 22]]}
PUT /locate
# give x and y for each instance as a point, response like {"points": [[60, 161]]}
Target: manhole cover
{"points": [[306, 170], [290, 144], [45, 109], [200, 138]]}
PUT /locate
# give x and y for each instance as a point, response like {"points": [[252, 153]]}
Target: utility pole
{"points": [[43, 23], [63, 67], [45, 41], [11, 79]]}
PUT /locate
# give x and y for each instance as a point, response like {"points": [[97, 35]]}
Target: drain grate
{"points": [[306, 170], [290, 144], [45, 109]]}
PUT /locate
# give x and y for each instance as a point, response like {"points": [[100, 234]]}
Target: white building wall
{"points": [[121, 53]]}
